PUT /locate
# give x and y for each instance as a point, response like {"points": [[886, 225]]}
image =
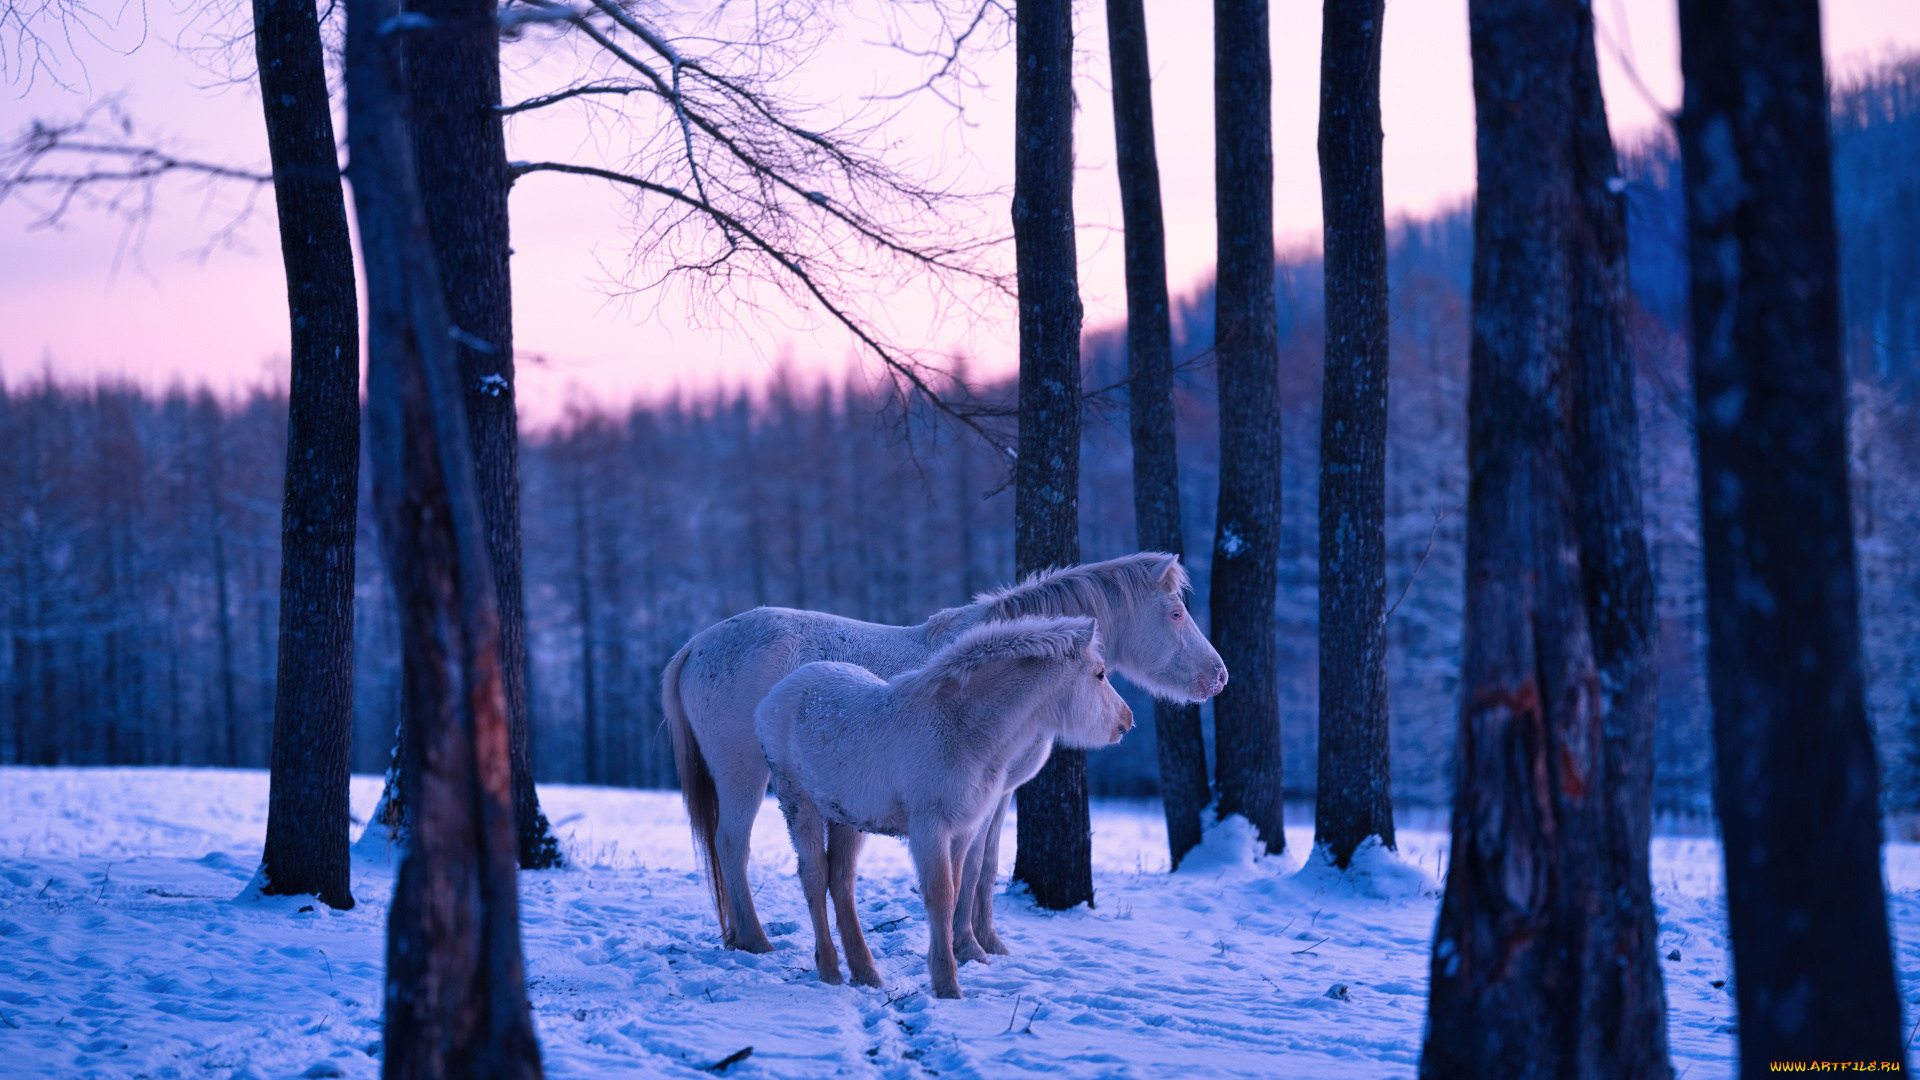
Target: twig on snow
{"points": [[729, 1061]]}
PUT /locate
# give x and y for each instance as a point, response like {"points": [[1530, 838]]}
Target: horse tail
{"points": [[697, 789]]}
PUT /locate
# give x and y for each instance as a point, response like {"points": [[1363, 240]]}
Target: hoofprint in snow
{"points": [[124, 951]]}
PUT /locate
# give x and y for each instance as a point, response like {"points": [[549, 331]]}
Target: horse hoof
{"points": [[993, 946], [970, 951], [951, 993], [759, 945], [869, 978], [830, 977]]}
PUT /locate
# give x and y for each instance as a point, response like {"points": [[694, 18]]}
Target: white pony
{"points": [[925, 755], [711, 686]]}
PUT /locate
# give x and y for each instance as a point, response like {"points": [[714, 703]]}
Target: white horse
{"points": [[925, 755], [711, 686]]}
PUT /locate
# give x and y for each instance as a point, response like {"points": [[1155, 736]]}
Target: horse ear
{"points": [[1084, 635], [1172, 578]]}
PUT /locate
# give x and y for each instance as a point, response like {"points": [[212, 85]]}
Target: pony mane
{"points": [[1092, 587], [943, 622], [1026, 637]]}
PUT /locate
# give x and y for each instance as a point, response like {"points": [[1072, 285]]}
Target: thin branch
{"points": [[1432, 534], [902, 366], [104, 166], [545, 100]]}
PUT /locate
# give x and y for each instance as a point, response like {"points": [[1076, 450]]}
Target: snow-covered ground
{"points": [[124, 953]]}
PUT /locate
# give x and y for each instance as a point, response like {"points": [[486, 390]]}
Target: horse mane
{"points": [[1025, 637], [944, 621], [1094, 588]]}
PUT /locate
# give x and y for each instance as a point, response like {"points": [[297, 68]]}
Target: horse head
{"points": [[1156, 642]]}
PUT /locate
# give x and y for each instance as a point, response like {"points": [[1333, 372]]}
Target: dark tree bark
{"points": [[1055, 834], [1353, 798], [583, 587], [456, 994], [1522, 951], [307, 820], [1246, 542], [1796, 783], [454, 77], [1156, 468], [1617, 583], [223, 623]]}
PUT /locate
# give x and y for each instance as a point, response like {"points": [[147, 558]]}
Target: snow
{"points": [[124, 951]]}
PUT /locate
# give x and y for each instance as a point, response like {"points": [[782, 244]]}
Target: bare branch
{"points": [[99, 162], [36, 35], [545, 100], [916, 374], [744, 185]]}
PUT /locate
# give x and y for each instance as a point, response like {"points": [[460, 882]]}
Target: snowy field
{"points": [[123, 951]]}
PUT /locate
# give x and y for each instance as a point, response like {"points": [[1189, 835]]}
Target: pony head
{"points": [[1055, 664]]}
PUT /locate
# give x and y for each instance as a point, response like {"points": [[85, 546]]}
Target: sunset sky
{"points": [[88, 299]]}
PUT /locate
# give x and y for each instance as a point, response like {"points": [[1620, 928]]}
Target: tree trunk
{"points": [[454, 78], [456, 995], [1522, 951], [1617, 583], [1055, 834], [1246, 542], [1797, 786], [1353, 798], [1156, 468], [589, 693], [223, 623], [307, 819]]}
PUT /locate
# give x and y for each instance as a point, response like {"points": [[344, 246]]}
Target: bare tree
{"points": [[1055, 834], [1797, 784], [1156, 467], [460, 147], [1246, 541], [1546, 932], [738, 187], [1617, 579], [456, 989], [307, 817], [1353, 796]]}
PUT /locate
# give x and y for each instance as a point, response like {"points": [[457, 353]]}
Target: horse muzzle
{"points": [[1208, 685]]}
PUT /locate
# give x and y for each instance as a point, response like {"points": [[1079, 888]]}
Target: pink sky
{"points": [[76, 298]]}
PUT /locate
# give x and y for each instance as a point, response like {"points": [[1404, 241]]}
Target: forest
{"points": [[140, 532], [1578, 517]]}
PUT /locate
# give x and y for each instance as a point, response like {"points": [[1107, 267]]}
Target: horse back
{"points": [[732, 664]]}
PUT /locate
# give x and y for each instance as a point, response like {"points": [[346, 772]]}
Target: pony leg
{"points": [[808, 830], [740, 798], [843, 857], [965, 945], [982, 896], [933, 857]]}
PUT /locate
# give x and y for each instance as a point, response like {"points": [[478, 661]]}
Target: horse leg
{"points": [[982, 896], [740, 792], [809, 830], [965, 945], [932, 849], [843, 857]]}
